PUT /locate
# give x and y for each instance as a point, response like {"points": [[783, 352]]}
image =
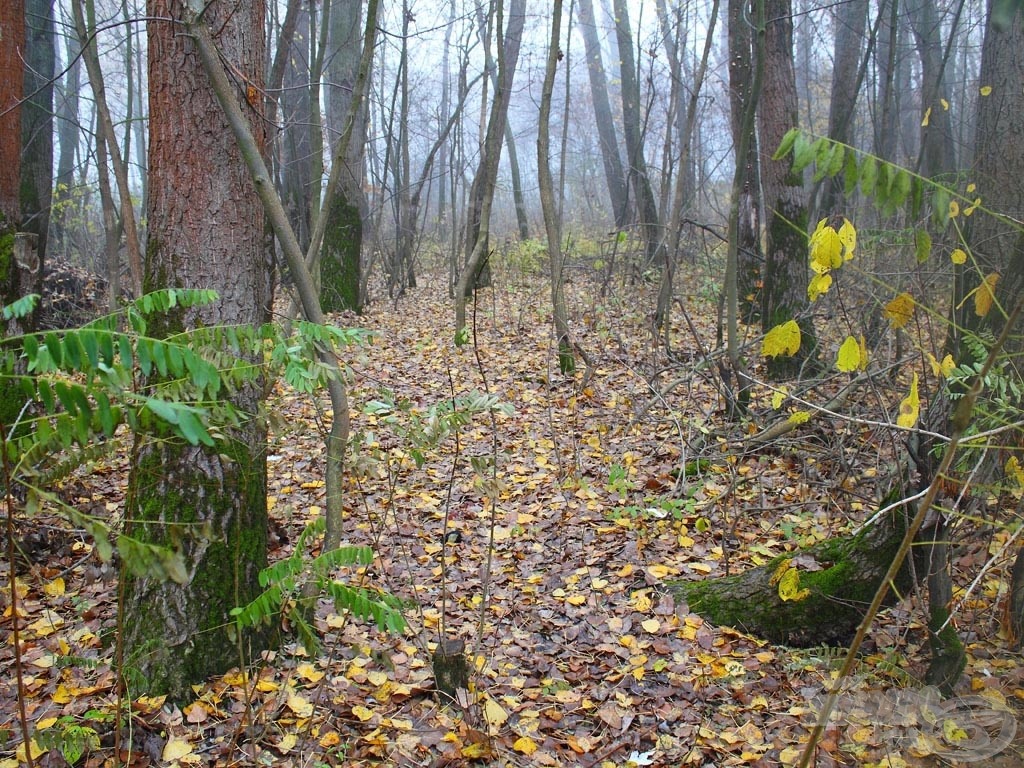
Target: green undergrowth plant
{"points": [[291, 587]]}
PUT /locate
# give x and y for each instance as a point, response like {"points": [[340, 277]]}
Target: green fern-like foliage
{"points": [[284, 582]]}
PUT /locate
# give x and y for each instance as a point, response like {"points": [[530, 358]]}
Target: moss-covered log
{"points": [[835, 582]]}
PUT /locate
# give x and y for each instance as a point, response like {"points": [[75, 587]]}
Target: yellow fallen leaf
{"points": [[651, 625], [598, 583], [525, 744], [62, 695], [287, 742], [175, 749], [789, 586], [300, 705], [478, 750], [363, 713], [658, 571], [790, 755], [576, 599], [309, 672], [54, 588], [330, 739], [47, 625], [495, 713]]}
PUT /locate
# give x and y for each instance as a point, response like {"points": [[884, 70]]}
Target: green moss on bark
{"points": [[340, 262], [840, 575], [213, 509]]}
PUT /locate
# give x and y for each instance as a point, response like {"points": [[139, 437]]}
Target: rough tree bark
{"points": [[206, 231], [37, 129], [747, 184], [341, 254], [12, 78], [785, 269]]}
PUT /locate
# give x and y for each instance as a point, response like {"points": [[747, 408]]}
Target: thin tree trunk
{"points": [[639, 180], [552, 226], [482, 191], [746, 194], [615, 175], [106, 129]]}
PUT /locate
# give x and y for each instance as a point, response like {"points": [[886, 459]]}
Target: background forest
{"points": [[511, 383]]}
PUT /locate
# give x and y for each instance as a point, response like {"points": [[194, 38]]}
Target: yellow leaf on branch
{"points": [[899, 310], [848, 359], [783, 339], [985, 294], [910, 406]]}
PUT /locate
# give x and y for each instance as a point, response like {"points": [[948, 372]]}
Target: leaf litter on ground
{"points": [[555, 581]]}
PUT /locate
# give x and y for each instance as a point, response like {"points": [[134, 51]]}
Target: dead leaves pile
{"points": [[550, 563]]}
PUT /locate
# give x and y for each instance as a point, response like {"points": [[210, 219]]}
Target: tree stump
{"points": [[451, 671]]}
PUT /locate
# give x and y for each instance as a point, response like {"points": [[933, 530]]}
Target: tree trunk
{"points": [[747, 184], [295, 141], [786, 270], [206, 231], [615, 176], [12, 79], [851, 21], [481, 193], [67, 137], [552, 226], [85, 26], [37, 130], [341, 255], [938, 158], [639, 180]]}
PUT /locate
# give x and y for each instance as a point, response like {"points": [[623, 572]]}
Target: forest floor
{"points": [[571, 515]]}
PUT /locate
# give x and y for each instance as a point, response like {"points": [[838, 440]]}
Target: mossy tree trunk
{"points": [[206, 230], [841, 576], [340, 271], [341, 253]]}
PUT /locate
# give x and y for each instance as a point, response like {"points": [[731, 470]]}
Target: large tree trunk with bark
{"points": [[37, 129], [785, 270], [206, 231], [749, 255]]}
